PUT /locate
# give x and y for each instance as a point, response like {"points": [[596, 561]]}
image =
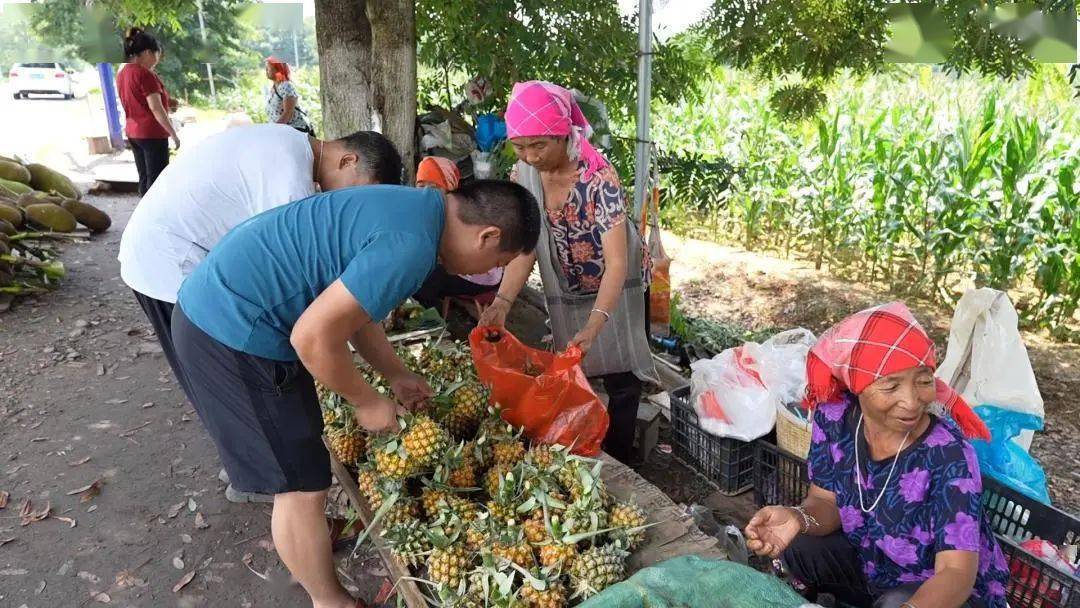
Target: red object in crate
{"points": [[1027, 581], [547, 394]]}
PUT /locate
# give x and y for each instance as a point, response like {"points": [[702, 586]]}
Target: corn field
{"points": [[921, 181]]}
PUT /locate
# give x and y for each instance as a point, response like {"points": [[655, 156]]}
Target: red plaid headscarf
{"points": [[872, 344]]}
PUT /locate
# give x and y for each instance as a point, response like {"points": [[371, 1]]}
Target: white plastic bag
{"points": [[986, 361], [737, 392]]}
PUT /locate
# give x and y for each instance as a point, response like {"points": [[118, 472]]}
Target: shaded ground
{"points": [[85, 395], [733, 285]]}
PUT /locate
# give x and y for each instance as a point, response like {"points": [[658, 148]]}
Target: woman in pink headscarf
{"points": [[593, 264]]}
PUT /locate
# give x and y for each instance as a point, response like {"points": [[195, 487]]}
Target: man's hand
{"points": [[495, 315], [378, 415], [411, 390], [771, 530]]}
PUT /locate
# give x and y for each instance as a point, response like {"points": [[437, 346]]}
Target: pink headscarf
{"points": [[543, 109]]}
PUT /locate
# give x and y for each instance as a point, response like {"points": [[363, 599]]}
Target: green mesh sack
{"points": [[694, 582]]}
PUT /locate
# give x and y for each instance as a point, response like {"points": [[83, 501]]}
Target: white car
{"points": [[42, 78]]}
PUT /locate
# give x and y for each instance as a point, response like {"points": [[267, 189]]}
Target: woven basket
{"points": [[792, 434]]}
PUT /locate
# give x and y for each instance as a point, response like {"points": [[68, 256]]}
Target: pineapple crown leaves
{"points": [[388, 503]]}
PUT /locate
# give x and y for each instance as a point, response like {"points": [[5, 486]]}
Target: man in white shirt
{"points": [[224, 181]]}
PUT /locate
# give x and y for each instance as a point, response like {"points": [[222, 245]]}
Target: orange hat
{"points": [[439, 171]]}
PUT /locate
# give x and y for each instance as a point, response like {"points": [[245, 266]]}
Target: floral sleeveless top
{"points": [[593, 207]]}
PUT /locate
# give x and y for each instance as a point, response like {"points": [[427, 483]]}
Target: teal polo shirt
{"points": [[381, 241]]}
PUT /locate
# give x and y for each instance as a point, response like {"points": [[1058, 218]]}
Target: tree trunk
{"points": [[367, 67]]}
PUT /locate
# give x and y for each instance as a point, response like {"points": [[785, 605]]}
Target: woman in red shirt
{"points": [[145, 101]]}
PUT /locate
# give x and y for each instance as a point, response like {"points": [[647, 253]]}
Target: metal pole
{"points": [[209, 69], [643, 147], [295, 49]]}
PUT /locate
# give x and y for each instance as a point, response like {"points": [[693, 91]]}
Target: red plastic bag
{"points": [[546, 394]]}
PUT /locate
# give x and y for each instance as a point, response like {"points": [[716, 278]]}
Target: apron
{"points": [[622, 345]]}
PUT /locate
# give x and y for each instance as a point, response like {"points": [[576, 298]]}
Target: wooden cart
{"points": [[674, 535]]}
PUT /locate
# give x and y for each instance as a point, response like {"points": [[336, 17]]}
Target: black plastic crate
{"points": [[1016, 518], [727, 463], [780, 477]]}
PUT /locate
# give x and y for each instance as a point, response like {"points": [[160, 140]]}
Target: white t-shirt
{"points": [[206, 192]]}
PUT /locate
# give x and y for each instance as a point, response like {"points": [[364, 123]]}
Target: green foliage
{"points": [[921, 181], [58, 22], [585, 45], [813, 41]]}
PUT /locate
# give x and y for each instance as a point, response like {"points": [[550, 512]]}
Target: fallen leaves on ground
{"points": [[4, 541], [246, 560], [4, 496], [200, 522], [87, 492], [175, 510], [183, 582], [101, 598], [30, 516], [69, 521], [79, 462]]}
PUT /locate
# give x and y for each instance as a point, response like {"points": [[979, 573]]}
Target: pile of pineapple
{"points": [[483, 518]]}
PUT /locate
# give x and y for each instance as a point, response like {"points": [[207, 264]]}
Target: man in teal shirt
{"points": [[278, 301]]}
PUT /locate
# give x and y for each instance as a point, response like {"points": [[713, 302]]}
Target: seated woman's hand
{"points": [[771, 530]]}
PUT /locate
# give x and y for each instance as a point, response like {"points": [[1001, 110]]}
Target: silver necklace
{"points": [[858, 468]]}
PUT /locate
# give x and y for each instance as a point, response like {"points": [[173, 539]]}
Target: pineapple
{"points": [[494, 478], [403, 511], [469, 407], [424, 441], [585, 515], [560, 549], [462, 508], [450, 560], [435, 498], [448, 565], [346, 444], [407, 541], [367, 481], [462, 467], [628, 519], [553, 594], [597, 569], [577, 479], [477, 533], [508, 451], [510, 544], [391, 460], [558, 555], [543, 457], [536, 528]]}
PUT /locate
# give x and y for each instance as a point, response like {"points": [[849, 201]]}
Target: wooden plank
{"points": [[675, 533], [407, 589]]}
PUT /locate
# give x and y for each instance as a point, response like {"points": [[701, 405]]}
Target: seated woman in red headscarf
{"points": [[443, 173], [894, 514]]}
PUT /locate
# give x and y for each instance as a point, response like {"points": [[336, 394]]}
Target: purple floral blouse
{"points": [[932, 504], [593, 207]]}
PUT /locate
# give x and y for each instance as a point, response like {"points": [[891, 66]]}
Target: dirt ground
{"points": [[86, 396], [733, 285]]}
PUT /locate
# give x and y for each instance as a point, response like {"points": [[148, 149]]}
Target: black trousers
{"points": [[830, 564], [624, 396], [159, 313], [151, 158]]}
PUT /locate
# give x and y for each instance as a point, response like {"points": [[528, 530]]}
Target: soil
{"points": [[735, 286], [85, 396]]}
